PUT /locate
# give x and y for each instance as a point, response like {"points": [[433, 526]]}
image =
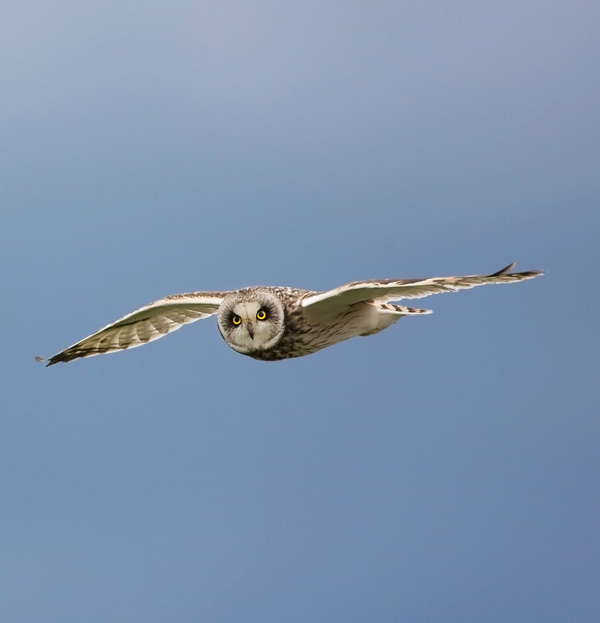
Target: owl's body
{"points": [[273, 323], [300, 334], [290, 337]]}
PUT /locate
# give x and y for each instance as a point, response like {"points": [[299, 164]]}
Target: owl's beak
{"points": [[250, 329]]}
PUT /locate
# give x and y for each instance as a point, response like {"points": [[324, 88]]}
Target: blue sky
{"points": [[446, 469]]}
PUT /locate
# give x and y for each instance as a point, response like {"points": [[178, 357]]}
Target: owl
{"points": [[273, 323]]}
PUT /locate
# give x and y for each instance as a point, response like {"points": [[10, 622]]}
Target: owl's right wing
{"points": [[385, 290], [144, 325]]}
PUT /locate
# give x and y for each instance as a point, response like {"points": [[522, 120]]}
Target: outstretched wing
{"points": [[397, 289], [144, 325]]}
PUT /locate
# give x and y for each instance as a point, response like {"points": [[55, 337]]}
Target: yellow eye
{"points": [[236, 320], [261, 314]]}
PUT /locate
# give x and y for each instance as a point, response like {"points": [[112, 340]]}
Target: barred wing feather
{"points": [[144, 325], [397, 289]]}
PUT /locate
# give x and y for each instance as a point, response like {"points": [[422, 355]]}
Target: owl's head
{"points": [[251, 320]]}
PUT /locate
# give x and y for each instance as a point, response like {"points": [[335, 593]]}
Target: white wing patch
{"points": [[144, 325], [397, 289]]}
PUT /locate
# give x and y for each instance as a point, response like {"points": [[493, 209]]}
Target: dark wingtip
{"points": [[49, 361], [526, 275], [504, 270]]}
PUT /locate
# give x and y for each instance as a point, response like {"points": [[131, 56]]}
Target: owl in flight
{"points": [[272, 323]]}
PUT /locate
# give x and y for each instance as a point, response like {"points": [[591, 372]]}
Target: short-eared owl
{"points": [[272, 323]]}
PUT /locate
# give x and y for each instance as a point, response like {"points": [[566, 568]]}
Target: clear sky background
{"points": [[444, 470]]}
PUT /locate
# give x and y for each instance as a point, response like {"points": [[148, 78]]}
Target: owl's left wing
{"points": [[144, 325], [397, 289]]}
